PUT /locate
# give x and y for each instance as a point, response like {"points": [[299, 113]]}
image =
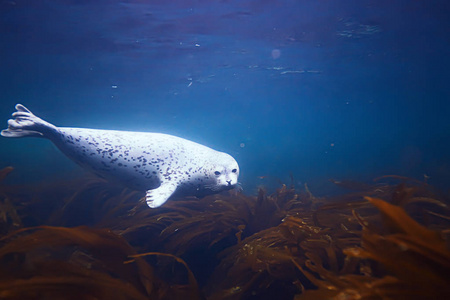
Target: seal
{"points": [[157, 163]]}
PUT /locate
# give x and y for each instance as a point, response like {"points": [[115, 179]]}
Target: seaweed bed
{"points": [[89, 239]]}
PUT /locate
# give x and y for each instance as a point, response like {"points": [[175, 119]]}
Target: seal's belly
{"points": [[133, 158]]}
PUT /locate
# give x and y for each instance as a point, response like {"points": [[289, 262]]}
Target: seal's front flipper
{"points": [[159, 196]]}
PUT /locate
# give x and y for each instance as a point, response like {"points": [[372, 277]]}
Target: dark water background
{"points": [[317, 89]]}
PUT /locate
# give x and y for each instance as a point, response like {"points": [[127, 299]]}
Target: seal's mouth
{"points": [[229, 187], [236, 186]]}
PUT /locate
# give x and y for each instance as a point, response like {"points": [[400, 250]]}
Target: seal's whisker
{"points": [[239, 187], [212, 187]]}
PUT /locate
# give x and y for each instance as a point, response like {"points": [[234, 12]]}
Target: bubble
{"points": [[276, 53], [242, 145]]}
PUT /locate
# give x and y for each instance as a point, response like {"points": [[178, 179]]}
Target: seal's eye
{"points": [[217, 173], [234, 170]]}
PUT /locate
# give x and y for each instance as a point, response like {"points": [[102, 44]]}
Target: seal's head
{"points": [[224, 171]]}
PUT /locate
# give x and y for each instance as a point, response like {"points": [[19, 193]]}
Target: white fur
{"points": [[158, 163]]}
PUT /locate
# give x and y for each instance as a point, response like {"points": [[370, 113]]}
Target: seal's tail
{"points": [[26, 124]]}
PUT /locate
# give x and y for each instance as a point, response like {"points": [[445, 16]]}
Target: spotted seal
{"points": [[157, 163]]}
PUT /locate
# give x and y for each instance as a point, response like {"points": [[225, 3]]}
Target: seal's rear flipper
{"points": [[159, 196], [26, 124]]}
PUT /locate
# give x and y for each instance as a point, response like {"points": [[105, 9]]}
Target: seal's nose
{"points": [[229, 182]]}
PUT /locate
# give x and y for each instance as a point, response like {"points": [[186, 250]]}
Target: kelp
{"points": [[9, 217], [78, 263], [284, 245], [407, 241], [55, 261], [417, 256], [192, 281], [261, 264], [323, 247], [4, 172]]}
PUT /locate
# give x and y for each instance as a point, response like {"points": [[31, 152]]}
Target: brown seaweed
{"points": [[4, 172], [9, 217], [284, 245], [80, 262]]}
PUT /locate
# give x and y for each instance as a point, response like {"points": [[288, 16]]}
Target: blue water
{"points": [[316, 89]]}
